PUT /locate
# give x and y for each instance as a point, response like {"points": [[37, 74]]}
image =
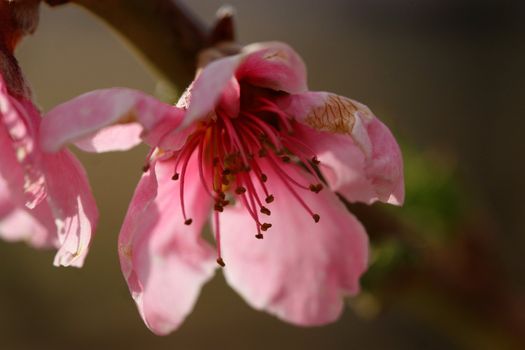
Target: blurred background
{"points": [[447, 76]]}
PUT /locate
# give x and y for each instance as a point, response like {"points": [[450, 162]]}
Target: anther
{"points": [[316, 188], [265, 226], [188, 222], [226, 172], [221, 195], [220, 262], [146, 167], [218, 207], [266, 211], [240, 190], [259, 236], [225, 181], [269, 199], [263, 152], [175, 176], [315, 160], [225, 203], [264, 178], [286, 159], [316, 217]]}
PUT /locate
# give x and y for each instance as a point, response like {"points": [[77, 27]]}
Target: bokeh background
{"points": [[448, 77]]}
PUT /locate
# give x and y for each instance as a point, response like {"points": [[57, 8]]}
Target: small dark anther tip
{"points": [[188, 222], [259, 236], [316, 217], [265, 226], [266, 211], [220, 262]]}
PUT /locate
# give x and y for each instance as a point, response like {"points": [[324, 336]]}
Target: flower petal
{"points": [[72, 204], [300, 270], [22, 225], [123, 111], [11, 172], [273, 65], [359, 156], [164, 261], [208, 87]]}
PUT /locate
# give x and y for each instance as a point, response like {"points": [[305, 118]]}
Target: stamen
{"points": [[279, 172], [265, 211], [146, 166], [271, 107], [240, 190], [316, 188], [266, 130], [265, 226], [252, 190], [201, 169], [189, 152], [230, 128], [218, 239]]}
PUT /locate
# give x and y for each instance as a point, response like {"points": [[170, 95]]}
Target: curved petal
{"points": [[22, 225], [164, 261], [208, 87], [273, 65], [359, 156], [72, 204], [300, 270], [83, 117], [11, 172]]}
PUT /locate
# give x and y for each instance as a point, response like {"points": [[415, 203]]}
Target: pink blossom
{"points": [[249, 143], [45, 199]]}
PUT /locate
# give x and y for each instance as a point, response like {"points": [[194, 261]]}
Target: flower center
{"points": [[233, 154]]}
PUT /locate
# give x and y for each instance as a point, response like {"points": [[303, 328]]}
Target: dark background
{"points": [[447, 76]]}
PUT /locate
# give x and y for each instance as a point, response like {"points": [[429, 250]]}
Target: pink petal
{"points": [[230, 101], [11, 172], [73, 205], [118, 137], [301, 269], [125, 111], [359, 156], [273, 65], [22, 225], [208, 87], [164, 261]]}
